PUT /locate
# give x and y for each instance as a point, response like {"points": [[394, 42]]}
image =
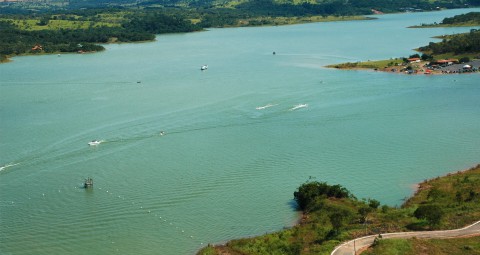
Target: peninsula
{"points": [[332, 216], [458, 53]]}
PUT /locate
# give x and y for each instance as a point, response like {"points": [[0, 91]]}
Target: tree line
{"points": [[471, 17], [15, 41], [457, 44]]}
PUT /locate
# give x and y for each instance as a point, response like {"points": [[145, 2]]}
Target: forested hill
{"points": [[74, 33], [78, 25], [264, 7], [387, 4]]}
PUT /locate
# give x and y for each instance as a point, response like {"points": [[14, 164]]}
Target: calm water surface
{"points": [[224, 169]]}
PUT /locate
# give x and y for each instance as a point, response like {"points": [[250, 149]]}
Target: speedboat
{"points": [[94, 143], [204, 67]]}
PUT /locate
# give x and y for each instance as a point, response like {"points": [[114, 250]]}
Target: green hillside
{"points": [[309, 6]]}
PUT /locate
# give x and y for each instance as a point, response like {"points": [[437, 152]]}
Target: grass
{"points": [[414, 246], [32, 24], [378, 64], [456, 193], [71, 21], [278, 21], [391, 247]]}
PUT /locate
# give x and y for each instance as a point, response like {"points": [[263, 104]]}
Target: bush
{"points": [[308, 192], [464, 60], [432, 213]]}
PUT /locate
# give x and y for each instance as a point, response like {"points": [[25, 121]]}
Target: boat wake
{"points": [[298, 106], [7, 166], [265, 106], [95, 142]]}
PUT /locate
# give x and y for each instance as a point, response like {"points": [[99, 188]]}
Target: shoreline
{"points": [[283, 21], [222, 247], [418, 67], [424, 184]]}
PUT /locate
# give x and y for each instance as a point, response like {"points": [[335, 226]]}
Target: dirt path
{"points": [[361, 243]]}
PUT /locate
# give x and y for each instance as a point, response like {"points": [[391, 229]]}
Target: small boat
{"points": [[204, 67], [94, 143]]}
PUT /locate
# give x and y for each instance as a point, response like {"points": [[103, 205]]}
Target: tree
{"points": [[339, 217], [308, 192], [373, 203], [432, 213], [464, 60], [414, 56], [364, 211], [426, 57]]}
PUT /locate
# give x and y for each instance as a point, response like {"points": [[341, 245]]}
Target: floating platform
{"points": [[88, 183]]}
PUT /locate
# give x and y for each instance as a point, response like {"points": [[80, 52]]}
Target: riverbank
{"points": [[250, 22], [441, 203], [282, 21]]}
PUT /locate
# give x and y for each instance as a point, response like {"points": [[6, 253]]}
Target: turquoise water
{"points": [[223, 169]]}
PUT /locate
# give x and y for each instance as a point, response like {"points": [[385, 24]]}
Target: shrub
{"points": [[309, 191], [432, 213]]}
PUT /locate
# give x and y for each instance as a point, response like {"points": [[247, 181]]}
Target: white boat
{"points": [[204, 67], [298, 106], [94, 143]]}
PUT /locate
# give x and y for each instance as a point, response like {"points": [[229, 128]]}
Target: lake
{"points": [[235, 144]]}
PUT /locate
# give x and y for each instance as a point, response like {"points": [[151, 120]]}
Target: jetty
{"points": [[88, 183]]}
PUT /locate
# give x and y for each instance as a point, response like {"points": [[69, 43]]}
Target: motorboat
{"points": [[94, 143], [204, 67]]}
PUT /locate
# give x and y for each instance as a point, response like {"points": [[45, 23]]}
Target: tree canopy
{"points": [[457, 44], [308, 193]]}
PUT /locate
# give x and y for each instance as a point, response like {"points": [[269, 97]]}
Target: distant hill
{"points": [[280, 7]]}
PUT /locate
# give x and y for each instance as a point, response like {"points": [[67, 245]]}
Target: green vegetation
{"points": [[460, 246], [331, 215], [458, 196], [55, 24], [379, 64], [82, 31], [468, 19], [463, 47], [455, 45], [275, 6]]}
